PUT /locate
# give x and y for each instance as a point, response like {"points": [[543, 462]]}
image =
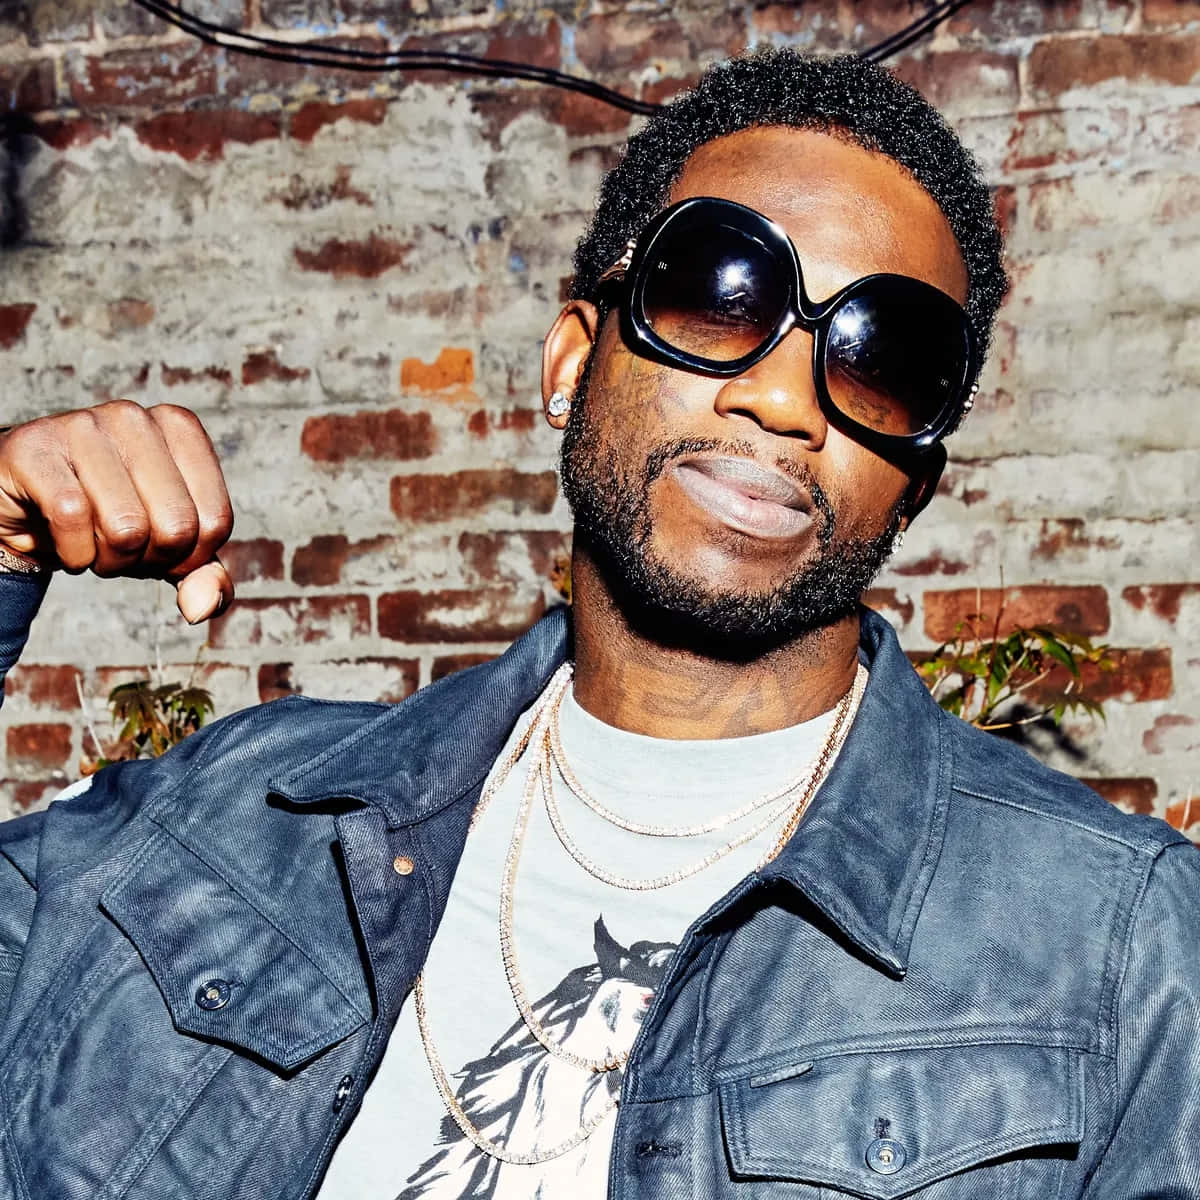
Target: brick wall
{"points": [[348, 277]]}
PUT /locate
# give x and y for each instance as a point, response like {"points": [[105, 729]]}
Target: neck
{"points": [[627, 679]]}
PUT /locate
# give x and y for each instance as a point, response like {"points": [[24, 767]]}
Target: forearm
{"points": [[20, 597]]}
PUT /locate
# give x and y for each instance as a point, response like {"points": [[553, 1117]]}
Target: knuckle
{"points": [[176, 531], [69, 509], [121, 408], [175, 416], [126, 534]]}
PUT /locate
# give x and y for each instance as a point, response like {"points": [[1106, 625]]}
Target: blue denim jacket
{"points": [[965, 977]]}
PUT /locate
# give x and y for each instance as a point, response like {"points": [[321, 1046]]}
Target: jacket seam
{"points": [[1113, 1016], [1140, 847]]}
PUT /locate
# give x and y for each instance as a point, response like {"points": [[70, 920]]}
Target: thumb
{"points": [[205, 592]]}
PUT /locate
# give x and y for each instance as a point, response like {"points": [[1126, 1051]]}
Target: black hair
{"points": [[843, 95]]}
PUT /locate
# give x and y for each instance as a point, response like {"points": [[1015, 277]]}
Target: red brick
{"points": [[253, 559], [275, 681], [367, 259], [265, 364], [1082, 610], [615, 45], [320, 562], [389, 680], [889, 602], [1162, 599], [482, 423], [244, 75], [1184, 815], [63, 133], [27, 87], [1135, 794], [26, 794], [442, 497], [174, 376], [949, 77], [1170, 14], [1069, 536], [307, 121], [1045, 138], [1136, 675], [202, 134], [470, 615], [41, 746], [1004, 19], [935, 563], [1057, 65], [145, 78], [14, 319], [1172, 733], [394, 434], [835, 24], [291, 620], [453, 367], [447, 664], [301, 195], [45, 686], [517, 557], [128, 313]]}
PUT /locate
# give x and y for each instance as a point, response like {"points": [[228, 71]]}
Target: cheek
{"points": [[860, 485]]}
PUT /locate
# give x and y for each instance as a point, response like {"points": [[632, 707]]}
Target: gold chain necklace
{"points": [[538, 731]]}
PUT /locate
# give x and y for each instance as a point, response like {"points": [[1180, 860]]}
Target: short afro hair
{"points": [[843, 95]]}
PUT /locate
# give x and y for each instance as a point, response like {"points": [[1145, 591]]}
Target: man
{"points": [[724, 904]]}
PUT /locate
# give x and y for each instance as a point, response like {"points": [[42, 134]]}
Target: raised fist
{"points": [[122, 490]]}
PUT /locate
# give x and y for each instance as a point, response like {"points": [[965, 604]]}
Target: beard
{"points": [[612, 524]]}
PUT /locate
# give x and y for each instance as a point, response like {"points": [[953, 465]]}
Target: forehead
{"points": [[849, 211]]}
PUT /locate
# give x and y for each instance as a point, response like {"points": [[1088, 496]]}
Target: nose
{"points": [[779, 393]]}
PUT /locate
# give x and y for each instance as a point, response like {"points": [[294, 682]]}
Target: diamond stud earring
{"points": [[559, 404]]}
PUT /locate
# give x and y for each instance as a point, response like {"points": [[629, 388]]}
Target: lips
{"points": [[745, 496]]}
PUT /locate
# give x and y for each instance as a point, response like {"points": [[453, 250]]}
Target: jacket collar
{"points": [[864, 854]]}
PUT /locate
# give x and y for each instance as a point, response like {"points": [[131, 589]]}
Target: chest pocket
{"points": [[888, 1123], [226, 972]]}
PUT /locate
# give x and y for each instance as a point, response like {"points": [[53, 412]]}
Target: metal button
{"points": [[213, 994], [886, 1155], [343, 1092], [402, 864]]}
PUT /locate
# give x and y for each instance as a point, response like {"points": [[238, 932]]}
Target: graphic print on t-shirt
{"points": [[526, 1100]]}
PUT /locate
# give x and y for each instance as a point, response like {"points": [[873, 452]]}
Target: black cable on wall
{"points": [[352, 58]]}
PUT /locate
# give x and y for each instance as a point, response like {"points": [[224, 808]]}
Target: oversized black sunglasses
{"points": [[712, 287]]}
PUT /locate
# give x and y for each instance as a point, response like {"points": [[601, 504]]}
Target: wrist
{"points": [[12, 563]]}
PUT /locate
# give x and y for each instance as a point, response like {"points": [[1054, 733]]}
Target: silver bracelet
{"points": [[17, 564]]}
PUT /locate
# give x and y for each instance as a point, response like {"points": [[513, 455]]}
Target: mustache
{"points": [[662, 456]]}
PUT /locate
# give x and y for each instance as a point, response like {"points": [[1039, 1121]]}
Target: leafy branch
{"points": [[1001, 682]]}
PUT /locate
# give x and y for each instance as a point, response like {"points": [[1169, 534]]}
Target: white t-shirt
{"points": [[590, 955]]}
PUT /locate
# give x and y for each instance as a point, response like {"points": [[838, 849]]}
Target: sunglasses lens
{"points": [[714, 291], [896, 356]]}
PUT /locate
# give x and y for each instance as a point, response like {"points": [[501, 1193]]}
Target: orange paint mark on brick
{"points": [[310, 118], [204, 135], [14, 318], [366, 259], [452, 367]]}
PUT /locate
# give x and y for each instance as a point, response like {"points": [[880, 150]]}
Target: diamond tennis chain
{"points": [[542, 733]]}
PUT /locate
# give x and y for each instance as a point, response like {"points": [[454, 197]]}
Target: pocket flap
{"points": [[883, 1123], [226, 972]]}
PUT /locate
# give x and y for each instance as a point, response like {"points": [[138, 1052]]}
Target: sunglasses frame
{"points": [[633, 269]]}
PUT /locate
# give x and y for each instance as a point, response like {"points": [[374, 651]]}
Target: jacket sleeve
{"points": [[20, 598], [1154, 1150]]}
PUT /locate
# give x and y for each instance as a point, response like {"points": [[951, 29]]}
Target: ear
{"points": [[926, 475], [565, 353]]}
